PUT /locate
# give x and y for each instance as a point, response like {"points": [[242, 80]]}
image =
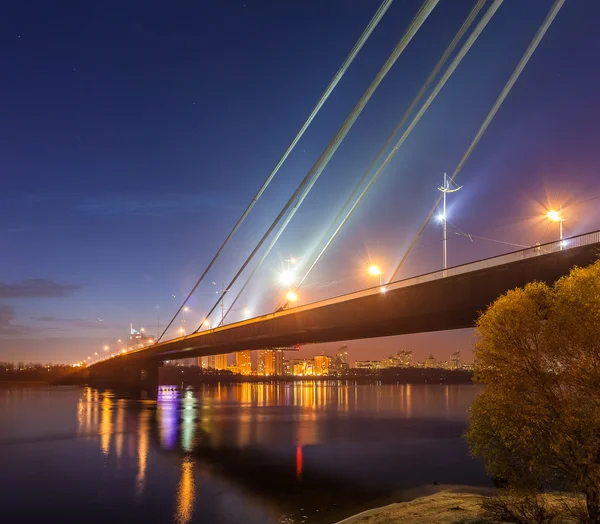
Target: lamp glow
{"points": [[291, 296]]}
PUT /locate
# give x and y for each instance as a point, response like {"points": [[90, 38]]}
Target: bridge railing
{"points": [[515, 256]]}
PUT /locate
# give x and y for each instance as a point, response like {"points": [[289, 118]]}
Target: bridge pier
{"points": [[124, 374]]}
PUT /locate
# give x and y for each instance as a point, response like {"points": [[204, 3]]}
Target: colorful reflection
{"points": [[105, 424], [166, 411], [143, 445], [120, 427], [186, 493], [298, 462], [188, 422]]}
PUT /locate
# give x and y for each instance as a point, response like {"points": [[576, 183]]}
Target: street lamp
{"points": [[291, 296], [106, 348], [556, 216], [443, 217], [375, 271]]}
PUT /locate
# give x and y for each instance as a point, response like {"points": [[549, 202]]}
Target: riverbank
{"points": [[441, 504], [459, 505]]}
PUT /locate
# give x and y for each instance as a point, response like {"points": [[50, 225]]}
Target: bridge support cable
{"points": [[385, 5], [333, 230], [492, 113], [313, 175]]}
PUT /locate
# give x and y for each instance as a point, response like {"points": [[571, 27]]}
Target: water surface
{"points": [[252, 453]]}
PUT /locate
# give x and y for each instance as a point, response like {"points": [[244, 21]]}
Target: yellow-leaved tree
{"points": [[537, 422]]}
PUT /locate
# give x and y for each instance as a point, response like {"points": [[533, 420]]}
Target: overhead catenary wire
{"points": [[336, 79], [492, 113], [313, 175], [331, 233]]}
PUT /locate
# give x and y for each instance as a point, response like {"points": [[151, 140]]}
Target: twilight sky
{"points": [[133, 135]]}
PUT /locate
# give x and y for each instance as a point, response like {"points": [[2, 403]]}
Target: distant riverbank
{"points": [[193, 376]]}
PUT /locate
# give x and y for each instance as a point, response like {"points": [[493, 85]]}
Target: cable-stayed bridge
{"points": [[447, 299]]}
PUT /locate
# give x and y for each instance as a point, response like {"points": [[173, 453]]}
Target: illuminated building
{"points": [[455, 361], [270, 362], [243, 360], [341, 360], [220, 362], [287, 367], [367, 364], [138, 339], [430, 362], [261, 368], [321, 365]]}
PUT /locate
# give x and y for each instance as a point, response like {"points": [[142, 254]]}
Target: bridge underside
{"points": [[447, 303]]}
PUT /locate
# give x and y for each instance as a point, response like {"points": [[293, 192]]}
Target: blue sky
{"points": [[133, 136]]}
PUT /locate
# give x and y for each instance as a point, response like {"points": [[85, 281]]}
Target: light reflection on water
{"points": [[260, 452]]}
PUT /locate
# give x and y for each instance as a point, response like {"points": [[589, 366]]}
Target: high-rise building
{"points": [[261, 362], [243, 360], [430, 362], [270, 362], [455, 361], [321, 366], [341, 360], [220, 362]]}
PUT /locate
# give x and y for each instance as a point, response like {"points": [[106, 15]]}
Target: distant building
{"points": [[138, 339], [367, 364], [430, 362], [243, 361], [220, 362], [340, 363], [270, 362], [455, 361], [321, 365]]}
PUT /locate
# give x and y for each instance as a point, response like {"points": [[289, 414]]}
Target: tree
{"points": [[537, 422]]}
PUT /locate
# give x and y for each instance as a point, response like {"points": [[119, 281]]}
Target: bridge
{"points": [[442, 300], [447, 299]]}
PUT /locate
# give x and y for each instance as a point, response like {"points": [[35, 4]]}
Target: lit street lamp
{"points": [[291, 296], [556, 216], [443, 217], [375, 271]]}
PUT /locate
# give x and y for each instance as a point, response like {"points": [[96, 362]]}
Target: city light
{"points": [[383, 289], [123, 351], [247, 312], [106, 348], [186, 309], [181, 330], [291, 296], [441, 217], [206, 323]]}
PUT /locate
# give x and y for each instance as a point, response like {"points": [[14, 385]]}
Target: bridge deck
{"points": [[441, 300]]}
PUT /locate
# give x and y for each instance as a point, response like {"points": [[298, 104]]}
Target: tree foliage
{"points": [[537, 422]]}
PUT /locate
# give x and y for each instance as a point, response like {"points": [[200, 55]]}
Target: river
{"points": [[239, 453]]}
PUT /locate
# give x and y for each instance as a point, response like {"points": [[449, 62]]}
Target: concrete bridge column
{"points": [[126, 373]]}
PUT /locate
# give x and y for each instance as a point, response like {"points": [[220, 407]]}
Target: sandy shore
{"points": [[433, 505]]}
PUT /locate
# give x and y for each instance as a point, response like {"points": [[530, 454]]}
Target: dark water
{"points": [[251, 453]]}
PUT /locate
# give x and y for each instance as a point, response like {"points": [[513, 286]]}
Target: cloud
{"points": [[7, 328], [148, 205], [74, 323], [37, 288]]}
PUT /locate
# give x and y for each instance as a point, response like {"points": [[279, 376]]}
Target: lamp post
{"points": [[557, 216], [445, 189]]}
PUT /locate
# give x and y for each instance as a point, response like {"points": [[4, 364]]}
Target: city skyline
{"points": [[120, 183]]}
